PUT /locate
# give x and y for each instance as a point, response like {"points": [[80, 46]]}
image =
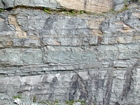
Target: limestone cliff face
{"points": [[87, 5], [56, 57]]}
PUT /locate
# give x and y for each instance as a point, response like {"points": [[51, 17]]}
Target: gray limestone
{"points": [[20, 56], [119, 7], [58, 57], [1, 4], [120, 4], [32, 3], [54, 4], [116, 2]]}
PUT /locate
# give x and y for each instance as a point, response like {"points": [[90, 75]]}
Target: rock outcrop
{"points": [[97, 6], [56, 57]]}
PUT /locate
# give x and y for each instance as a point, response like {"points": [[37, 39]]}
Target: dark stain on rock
{"points": [[108, 88], [128, 82], [78, 89]]}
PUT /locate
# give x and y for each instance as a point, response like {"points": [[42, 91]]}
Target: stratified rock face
{"points": [[57, 57], [70, 58], [87, 5]]}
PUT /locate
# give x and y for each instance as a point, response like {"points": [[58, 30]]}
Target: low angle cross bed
{"points": [[69, 52]]}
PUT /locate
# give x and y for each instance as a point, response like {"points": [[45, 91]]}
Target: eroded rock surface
{"points": [[87, 5], [57, 57]]}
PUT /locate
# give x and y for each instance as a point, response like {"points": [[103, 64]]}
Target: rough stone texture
{"points": [[1, 4], [97, 6], [119, 4], [87, 5], [33, 3], [57, 57], [123, 4]]}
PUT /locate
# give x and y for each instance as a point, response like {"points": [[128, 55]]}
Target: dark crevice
{"points": [[106, 100], [134, 1], [3, 3], [78, 86], [128, 83]]}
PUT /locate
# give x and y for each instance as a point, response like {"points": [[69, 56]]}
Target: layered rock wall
{"points": [[87, 5], [94, 58]]}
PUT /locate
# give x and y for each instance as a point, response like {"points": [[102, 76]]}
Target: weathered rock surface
{"points": [[123, 4], [33, 3], [57, 57], [97, 6], [87, 5]]}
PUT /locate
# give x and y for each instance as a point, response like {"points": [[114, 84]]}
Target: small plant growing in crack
{"points": [[47, 11], [1, 10], [17, 96]]}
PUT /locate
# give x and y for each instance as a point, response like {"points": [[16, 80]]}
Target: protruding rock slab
{"points": [[32, 3], [97, 6]]}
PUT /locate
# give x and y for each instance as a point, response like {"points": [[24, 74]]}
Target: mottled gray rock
{"points": [[120, 4], [26, 42], [41, 3], [33, 3], [69, 57], [116, 2], [51, 24], [8, 4], [3, 24], [60, 4], [57, 4], [57, 57], [124, 64], [119, 7], [125, 22], [20, 56], [1, 4]]}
